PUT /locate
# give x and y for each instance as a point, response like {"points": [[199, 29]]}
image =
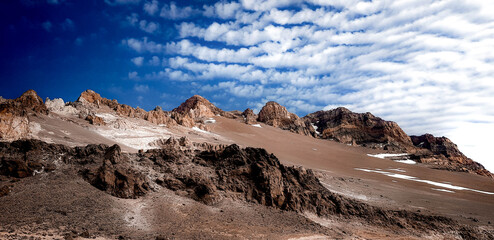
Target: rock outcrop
{"points": [[14, 121], [278, 116], [442, 152], [195, 110], [156, 116], [95, 120], [249, 116], [363, 129]]}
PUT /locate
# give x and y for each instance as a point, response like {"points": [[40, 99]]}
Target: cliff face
{"points": [[442, 152], [14, 121], [364, 129], [278, 116]]}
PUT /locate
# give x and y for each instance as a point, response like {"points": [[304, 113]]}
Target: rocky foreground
{"points": [[210, 177]]}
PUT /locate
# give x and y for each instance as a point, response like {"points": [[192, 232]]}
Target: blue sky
{"points": [[427, 65]]}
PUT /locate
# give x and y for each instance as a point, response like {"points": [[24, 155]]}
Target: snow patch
{"points": [[210, 120], [256, 125], [315, 128], [200, 130], [411, 178], [406, 161], [387, 155], [442, 190]]}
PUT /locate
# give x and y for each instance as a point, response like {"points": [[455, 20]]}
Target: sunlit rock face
{"points": [[278, 116]]}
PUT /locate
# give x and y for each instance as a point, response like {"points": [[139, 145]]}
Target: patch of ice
{"points": [[411, 178], [256, 125], [315, 128], [442, 190], [387, 155], [199, 130], [397, 169], [210, 120], [315, 149], [406, 161]]}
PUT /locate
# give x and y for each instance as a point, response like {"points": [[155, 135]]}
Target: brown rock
{"points": [[14, 122], [118, 180], [278, 116], [158, 116], [364, 129], [444, 153], [249, 116], [31, 101], [195, 108], [95, 120]]}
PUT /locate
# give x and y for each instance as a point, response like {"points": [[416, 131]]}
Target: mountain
{"points": [[97, 168], [444, 154], [278, 116], [364, 129]]}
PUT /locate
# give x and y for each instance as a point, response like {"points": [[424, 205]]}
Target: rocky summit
{"points": [[96, 168], [364, 129], [278, 116]]}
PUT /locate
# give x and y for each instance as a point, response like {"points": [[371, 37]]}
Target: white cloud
{"points": [[173, 11], [155, 61], [133, 19], [141, 88], [151, 7], [222, 10], [137, 61], [149, 27], [133, 75], [143, 45]]}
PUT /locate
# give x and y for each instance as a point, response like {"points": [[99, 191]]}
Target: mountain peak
{"points": [[197, 107], [89, 96]]}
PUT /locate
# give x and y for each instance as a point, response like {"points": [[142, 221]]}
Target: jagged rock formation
{"points": [[278, 116], [249, 174], [14, 121], [249, 116], [195, 110], [156, 116], [364, 129], [442, 152]]}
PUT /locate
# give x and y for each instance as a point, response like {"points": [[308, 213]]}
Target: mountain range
{"points": [[98, 168]]}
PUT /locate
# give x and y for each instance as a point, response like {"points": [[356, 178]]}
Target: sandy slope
{"points": [[163, 212], [337, 164]]}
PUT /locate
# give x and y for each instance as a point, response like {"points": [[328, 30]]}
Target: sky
{"points": [[426, 64]]}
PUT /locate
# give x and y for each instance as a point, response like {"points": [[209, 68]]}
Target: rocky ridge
{"points": [[444, 154], [338, 124], [364, 129], [278, 116]]}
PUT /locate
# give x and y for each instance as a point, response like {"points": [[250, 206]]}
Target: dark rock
{"points": [[364, 129], [445, 154]]}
